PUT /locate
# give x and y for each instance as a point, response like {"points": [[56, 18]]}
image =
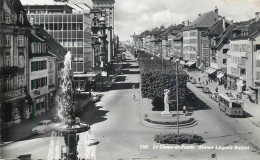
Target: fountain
{"points": [[70, 126]]}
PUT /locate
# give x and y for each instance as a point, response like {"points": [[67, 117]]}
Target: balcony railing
{"points": [[7, 71]]}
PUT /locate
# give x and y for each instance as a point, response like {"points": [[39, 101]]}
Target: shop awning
{"points": [[211, 70], [220, 75], [201, 65], [240, 83], [190, 63]]}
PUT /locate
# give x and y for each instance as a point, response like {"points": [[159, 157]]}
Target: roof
{"points": [[206, 20], [216, 29], [18, 8], [53, 46]]}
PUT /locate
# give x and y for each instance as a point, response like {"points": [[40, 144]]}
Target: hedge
{"points": [[183, 138]]}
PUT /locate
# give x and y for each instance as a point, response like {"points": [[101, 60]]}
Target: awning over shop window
{"points": [[201, 65], [211, 70], [240, 83], [190, 63], [220, 75]]}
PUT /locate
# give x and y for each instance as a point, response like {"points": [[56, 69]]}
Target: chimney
{"points": [[199, 14], [224, 23], [257, 16], [216, 9]]}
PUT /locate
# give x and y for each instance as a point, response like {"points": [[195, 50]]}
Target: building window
{"points": [[224, 61], [33, 47], [51, 80], [257, 75], [21, 61], [225, 51], [51, 65], [44, 47], [39, 48], [20, 81], [1, 40], [257, 63], [7, 20], [2, 17], [15, 112], [8, 40], [7, 84], [7, 61], [20, 40], [21, 17]]}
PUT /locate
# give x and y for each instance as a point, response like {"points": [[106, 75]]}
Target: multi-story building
{"points": [[108, 7], [195, 42], [72, 29], [243, 68], [45, 56], [219, 43], [14, 31]]}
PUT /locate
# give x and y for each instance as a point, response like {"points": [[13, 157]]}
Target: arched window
{"points": [[21, 18]]}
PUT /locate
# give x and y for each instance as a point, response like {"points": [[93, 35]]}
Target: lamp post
{"points": [[177, 96]]}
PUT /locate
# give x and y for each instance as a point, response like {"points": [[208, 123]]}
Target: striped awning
{"points": [[210, 70]]}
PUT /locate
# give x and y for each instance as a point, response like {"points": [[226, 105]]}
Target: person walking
{"points": [[199, 79], [216, 89], [184, 109]]}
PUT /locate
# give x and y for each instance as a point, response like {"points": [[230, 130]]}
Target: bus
{"points": [[231, 105]]}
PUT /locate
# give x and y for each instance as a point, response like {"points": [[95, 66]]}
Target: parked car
{"points": [[193, 81], [43, 127], [199, 85], [206, 90]]}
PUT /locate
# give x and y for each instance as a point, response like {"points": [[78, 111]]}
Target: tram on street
{"points": [[231, 105]]}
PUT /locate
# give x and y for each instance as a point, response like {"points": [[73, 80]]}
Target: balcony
{"points": [[8, 71], [12, 94]]}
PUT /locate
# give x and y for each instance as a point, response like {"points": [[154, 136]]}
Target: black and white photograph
{"points": [[129, 79]]}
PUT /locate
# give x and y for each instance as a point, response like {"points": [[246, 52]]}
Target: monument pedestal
{"points": [[167, 113]]}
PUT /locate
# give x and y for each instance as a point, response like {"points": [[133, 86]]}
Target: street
{"points": [[117, 124]]}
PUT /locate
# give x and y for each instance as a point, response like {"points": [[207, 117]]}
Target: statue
{"points": [[166, 100], [166, 111]]}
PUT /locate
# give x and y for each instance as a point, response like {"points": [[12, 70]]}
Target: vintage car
{"points": [[193, 81], [43, 127], [206, 90], [199, 85]]}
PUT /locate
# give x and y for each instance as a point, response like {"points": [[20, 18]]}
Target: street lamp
{"points": [[177, 95]]}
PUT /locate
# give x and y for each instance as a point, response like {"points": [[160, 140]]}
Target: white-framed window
{"points": [[33, 48], [2, 17], [20, 81], [21, 61], [51, 65], [7, 84], [51, 80], [8, 40], [44, 47], [7, 20], [39, 48], [7, 61], [20, 40], [21, 17]]}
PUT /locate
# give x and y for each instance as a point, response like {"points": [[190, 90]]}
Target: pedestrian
{"points": [[134, 96], [199, 79], [216, 89], [207, 82]]}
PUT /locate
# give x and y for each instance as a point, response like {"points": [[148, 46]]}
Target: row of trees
{"points": [[158, 74]]}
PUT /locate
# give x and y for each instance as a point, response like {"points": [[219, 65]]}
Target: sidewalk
{"points": [[24, 129], [251, 108]]}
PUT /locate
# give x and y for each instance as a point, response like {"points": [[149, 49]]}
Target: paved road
{"points": [[116, 124]]}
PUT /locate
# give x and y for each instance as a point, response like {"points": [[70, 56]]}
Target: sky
{"points": [[135, 16]]}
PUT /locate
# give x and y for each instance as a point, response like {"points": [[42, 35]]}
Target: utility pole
{"points": [[177, 97]]}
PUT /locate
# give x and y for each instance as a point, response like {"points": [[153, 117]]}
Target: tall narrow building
{"points": [[108, 7]]}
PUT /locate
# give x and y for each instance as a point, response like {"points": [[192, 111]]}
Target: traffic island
{"points": [[154, 119]]}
